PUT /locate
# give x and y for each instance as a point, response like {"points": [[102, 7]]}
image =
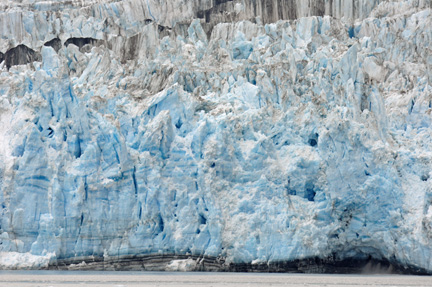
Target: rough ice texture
{"points": [[126, 132]]}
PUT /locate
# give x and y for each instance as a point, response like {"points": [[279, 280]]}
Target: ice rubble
{"points": [[261, 143]]}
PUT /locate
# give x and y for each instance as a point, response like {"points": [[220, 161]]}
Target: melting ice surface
{"points": [[248, 141]]}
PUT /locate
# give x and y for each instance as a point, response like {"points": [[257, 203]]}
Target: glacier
{"points": [[214, 135]]}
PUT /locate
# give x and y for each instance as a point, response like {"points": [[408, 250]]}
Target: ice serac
{"points": [[293, 136], [33, 23]]}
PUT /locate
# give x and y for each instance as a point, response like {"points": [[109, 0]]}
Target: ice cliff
{"points": [[259, 133]]}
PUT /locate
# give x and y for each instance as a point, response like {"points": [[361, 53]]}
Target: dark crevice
{"points": [[202, 219], [412, 103], [179, 123], [134, 180], [50, 132], [160, 225], [85, 189], [351, 33], [20, 55], [310, 191], [54, 43], [364, 102], [291, 191], [313, 139], [312, 142], [81, 42], [77, 148]]}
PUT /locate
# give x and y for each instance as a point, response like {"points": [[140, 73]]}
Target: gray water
{"points": [[123, 279]]}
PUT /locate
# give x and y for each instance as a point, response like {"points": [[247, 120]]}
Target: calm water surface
{"points": [[194, 279]]}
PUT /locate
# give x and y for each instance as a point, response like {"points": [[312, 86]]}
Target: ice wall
{"points": [[32, 23], [308, 138]]}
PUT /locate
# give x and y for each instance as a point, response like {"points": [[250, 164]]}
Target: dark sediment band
{"points": [[216, 264]]}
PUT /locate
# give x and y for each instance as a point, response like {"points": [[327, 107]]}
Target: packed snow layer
{"points": [[261, 143]]}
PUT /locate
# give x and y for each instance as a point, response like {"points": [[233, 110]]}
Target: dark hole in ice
{"points": [[40, 128], [198, 231], [351, 32], [179, 124], [213, 165], [54, 43], [202, 219], [367, 173], [162, 28], [20, 55], [310, 194], [81, 42], [424, 177], [411, 106], [218, 2], [50, 132], [313, 140], [291, 191], [200, 14], [161, 224], [258, 239], [77, 148]]}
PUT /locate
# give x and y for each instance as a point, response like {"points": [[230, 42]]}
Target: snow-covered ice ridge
{"points": [[126, 130]]}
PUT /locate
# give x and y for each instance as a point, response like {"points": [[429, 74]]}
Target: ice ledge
{"points": [[17, 260]]}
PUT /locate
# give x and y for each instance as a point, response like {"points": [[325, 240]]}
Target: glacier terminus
{"points": [[216, 135]]}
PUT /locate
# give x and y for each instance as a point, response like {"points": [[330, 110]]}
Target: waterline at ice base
{"points": [[274, 136]]}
